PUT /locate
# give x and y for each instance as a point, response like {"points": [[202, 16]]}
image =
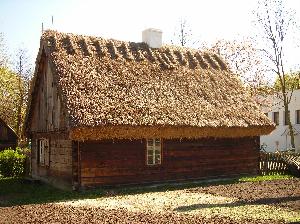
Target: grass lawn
{"points": [[258, 199], [15, 191]]}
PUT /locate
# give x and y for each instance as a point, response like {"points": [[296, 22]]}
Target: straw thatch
{"points": [[115, 89]]}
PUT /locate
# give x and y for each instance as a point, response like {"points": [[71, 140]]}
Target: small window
{"points": [[43, 149], [286, 115], [276, 118], [153, 151], [297, 116]]}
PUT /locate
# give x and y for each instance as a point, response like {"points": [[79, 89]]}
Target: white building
{"points": [[280, 139]]}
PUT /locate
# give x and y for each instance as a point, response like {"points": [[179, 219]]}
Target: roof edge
{"points": [[139, 132]]}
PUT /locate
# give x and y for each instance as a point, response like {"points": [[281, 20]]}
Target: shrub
{"points": [[12, 163]]}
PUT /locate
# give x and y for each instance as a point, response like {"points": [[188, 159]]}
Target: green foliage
{"points": [[12, 163], [291, 82], [9, 94]]}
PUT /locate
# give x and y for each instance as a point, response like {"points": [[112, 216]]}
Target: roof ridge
{"points": [[168, 56]]}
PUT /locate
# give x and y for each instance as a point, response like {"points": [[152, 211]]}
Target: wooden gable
{"points": [[46, 114]]}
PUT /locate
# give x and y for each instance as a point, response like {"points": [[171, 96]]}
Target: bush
{"points": [[12, 163]]}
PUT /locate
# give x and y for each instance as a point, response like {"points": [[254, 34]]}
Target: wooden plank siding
{"points": [[47, 114], [124, 161]]}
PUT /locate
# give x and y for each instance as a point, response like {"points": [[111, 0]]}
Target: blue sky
{"points": [[209, 20]]}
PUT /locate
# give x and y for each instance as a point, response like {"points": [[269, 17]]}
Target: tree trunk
{"points": [[288, 121], [21, 101], [19, 109]]}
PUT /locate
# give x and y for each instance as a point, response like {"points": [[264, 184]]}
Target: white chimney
{"points": [[153, 37]]}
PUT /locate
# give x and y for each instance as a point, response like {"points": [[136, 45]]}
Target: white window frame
{"points": [[154, 151], [43, 148]]}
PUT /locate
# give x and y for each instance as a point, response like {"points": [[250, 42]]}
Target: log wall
{"points": [[119, 162], [59, 170]]}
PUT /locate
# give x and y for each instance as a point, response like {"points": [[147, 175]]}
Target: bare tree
{"points": [[277, 23], [3, 52], [24, 72], [183, 35], [244, 59]]}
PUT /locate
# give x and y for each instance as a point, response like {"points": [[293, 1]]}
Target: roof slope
{"points": [[112, 87], [11, 130]]}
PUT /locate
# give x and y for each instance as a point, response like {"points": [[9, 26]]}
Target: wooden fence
{"points": [[279, 163], [272, 163]]}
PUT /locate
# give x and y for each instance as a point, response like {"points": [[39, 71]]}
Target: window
{"points": [[276, 118], [297, 116], [43, 152], [153, 151], [286, 115]]}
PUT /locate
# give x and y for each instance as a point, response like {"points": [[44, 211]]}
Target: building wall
{"points": [[278, 140], [7, 137], [48, 120], [58, 170], [119, 162]]}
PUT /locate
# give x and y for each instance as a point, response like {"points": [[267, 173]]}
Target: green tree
{"points": [[14, 87], [9, 96], [291, 82]]}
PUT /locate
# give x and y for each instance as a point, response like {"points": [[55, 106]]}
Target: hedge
{"points": [[12, 163]]}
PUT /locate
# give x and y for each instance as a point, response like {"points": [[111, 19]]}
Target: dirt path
{"points": [[260, 202], [53, 213]]}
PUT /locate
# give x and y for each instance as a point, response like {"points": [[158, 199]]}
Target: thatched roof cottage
{"points": [[106, 112]]}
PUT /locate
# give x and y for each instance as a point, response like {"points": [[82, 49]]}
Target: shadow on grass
{"points": [[262, 201], [16, 191]]}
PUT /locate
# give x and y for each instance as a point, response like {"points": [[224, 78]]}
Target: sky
{"points": [[209, 20]]}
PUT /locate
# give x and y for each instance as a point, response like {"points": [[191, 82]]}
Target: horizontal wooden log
{"points": [[109, 162]]}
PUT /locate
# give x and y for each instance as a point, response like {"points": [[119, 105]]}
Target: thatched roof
{"points": [[116, 89]]}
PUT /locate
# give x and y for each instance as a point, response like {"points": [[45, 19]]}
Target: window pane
{"points": [[286, 117], [157, 152], [276, 118], [157, 142], [150, 152], [157, 159], [298, 116], [149, 142], [150, 160]]}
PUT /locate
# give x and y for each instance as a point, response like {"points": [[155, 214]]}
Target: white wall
{"points": [[277, 135]]}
